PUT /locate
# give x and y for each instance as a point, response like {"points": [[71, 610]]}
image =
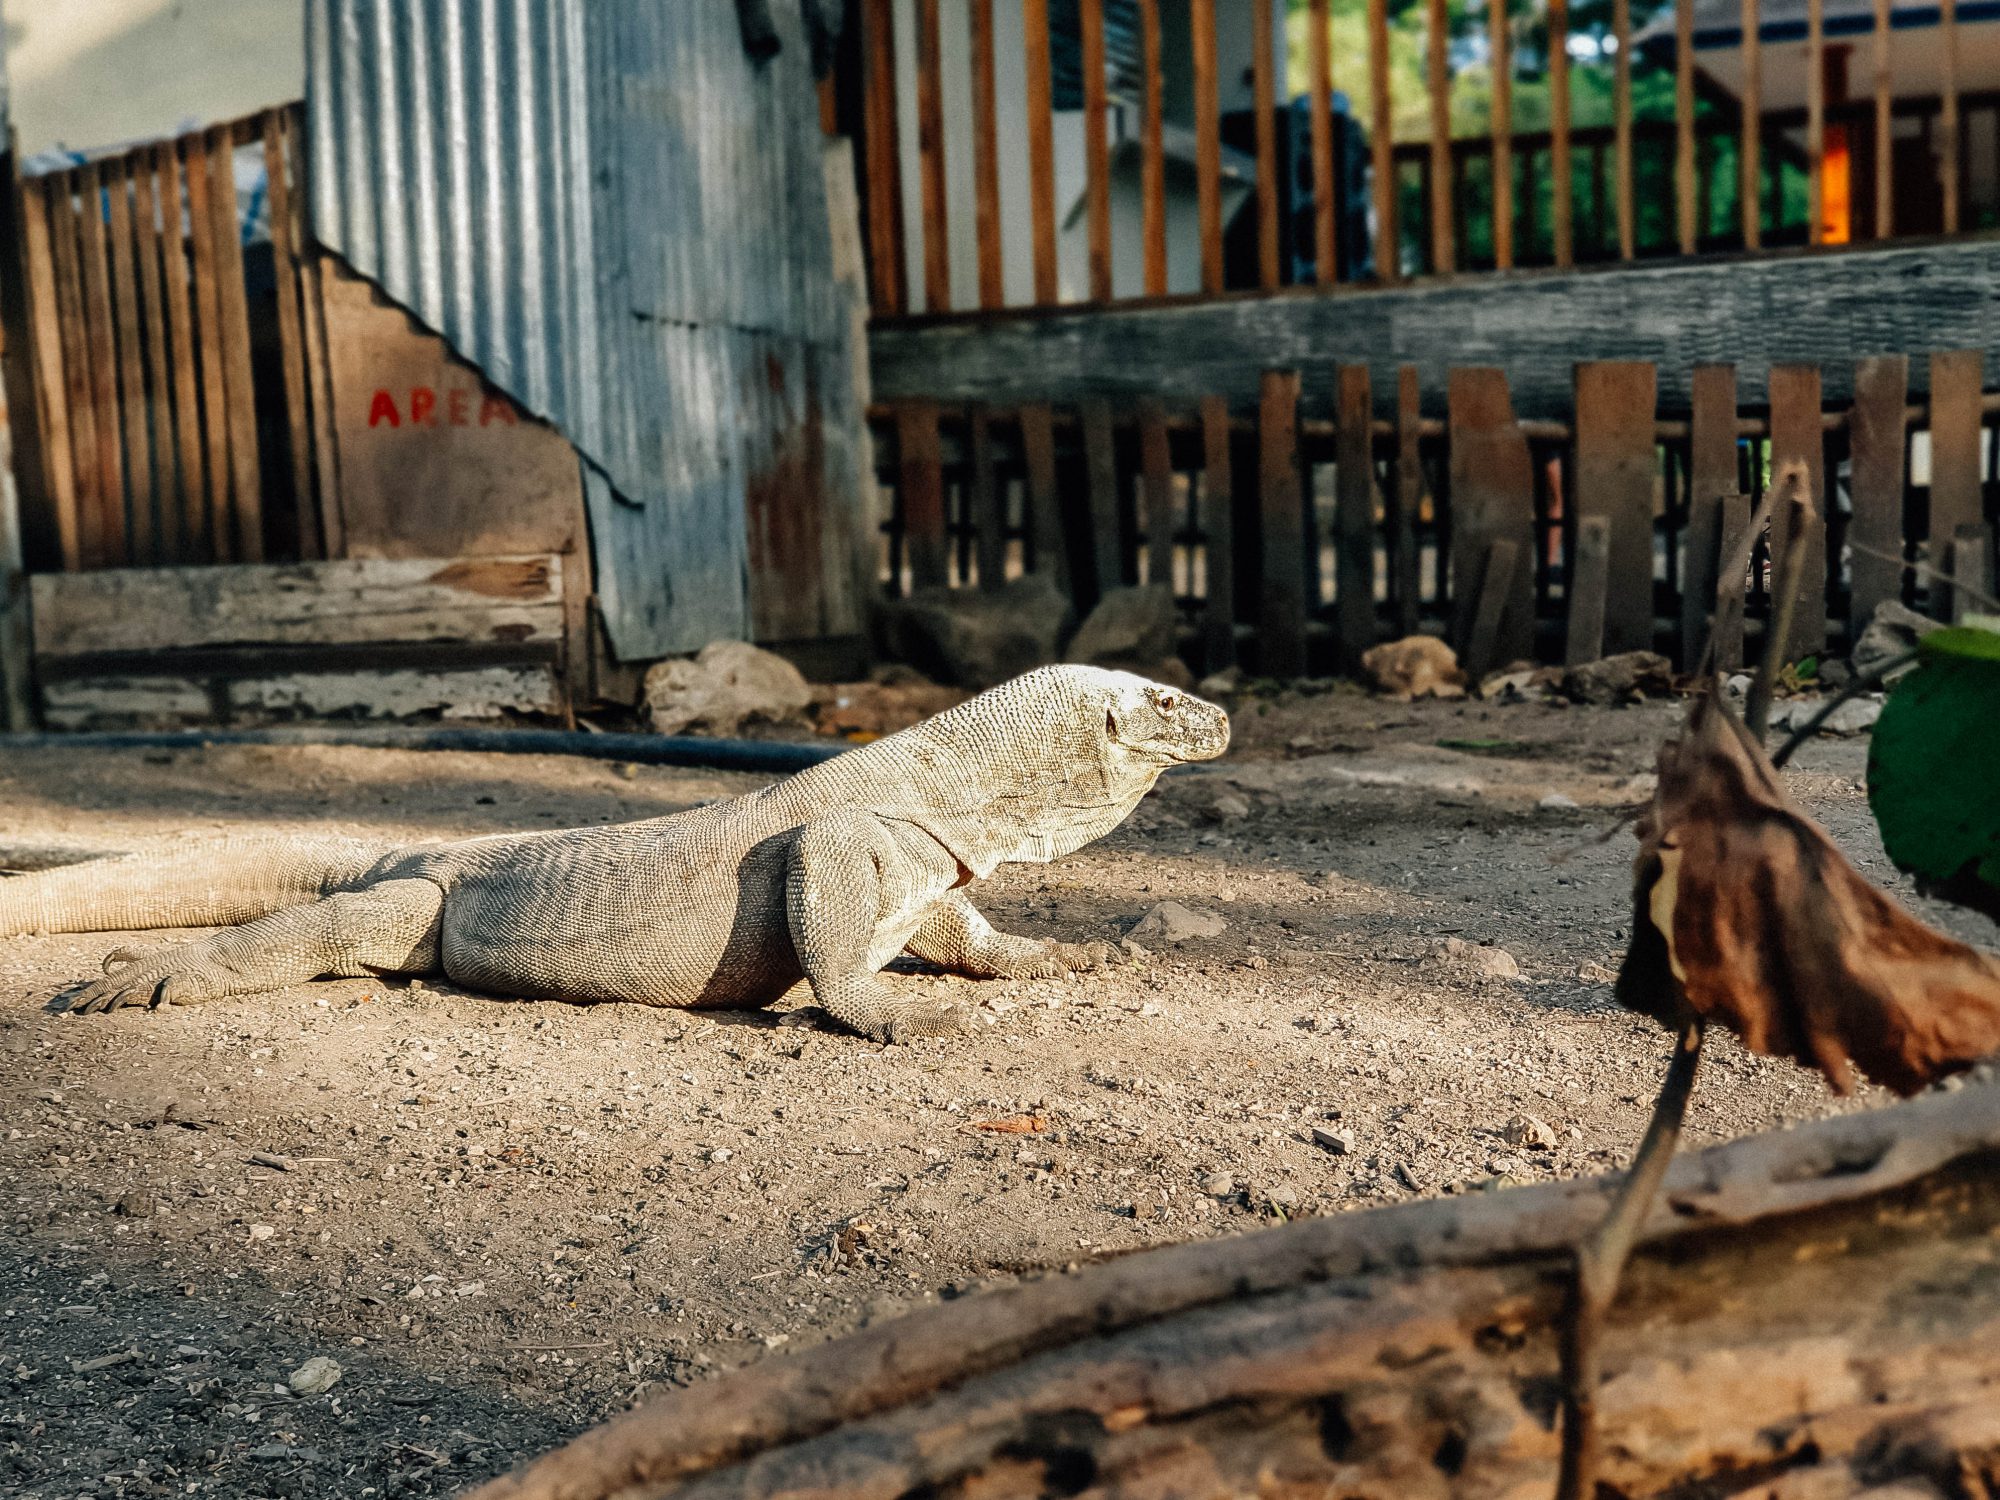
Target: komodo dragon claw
{"points": [[135, 978]]}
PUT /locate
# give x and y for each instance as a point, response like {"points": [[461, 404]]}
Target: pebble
{"points": [[1171, 922], [1529, 1131], [1492, 963], [1218, 1184], [1556, 800], [1339, 1142], [1229, 807], [261, 1232], [315, 1377]]}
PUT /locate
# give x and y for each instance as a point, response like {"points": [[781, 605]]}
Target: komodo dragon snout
{"points": [[825, 876]]}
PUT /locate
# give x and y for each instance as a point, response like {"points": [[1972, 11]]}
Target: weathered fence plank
{"points": [[1492, 500], [920, 464], [1711, 475], [1878, 441], [1281, 634], [1589, 588], [1798, 436], [291, 339], [1406, 583], [1354, 515], [985, 499], [1156, 484], [46, 333], [1038, 462], [1616, 465], [140, 531], [246, 483], [1100, 468], [1218, 621], [208, 335], [1956, 449]]}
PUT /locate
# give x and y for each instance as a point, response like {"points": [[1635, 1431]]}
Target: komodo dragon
{"points": [[826, 875]]}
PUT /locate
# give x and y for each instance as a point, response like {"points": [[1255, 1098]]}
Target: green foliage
{"points": [[1934, 766]]}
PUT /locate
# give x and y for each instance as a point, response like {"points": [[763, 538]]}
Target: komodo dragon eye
{"points": [[1166, 702]]}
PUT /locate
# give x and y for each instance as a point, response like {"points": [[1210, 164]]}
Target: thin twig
{"points": [[1600, 1264], [1928, 570], [1735, 566], [1860, 683]]}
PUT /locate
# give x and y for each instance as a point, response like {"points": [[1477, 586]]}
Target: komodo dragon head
{"points": [[1039, 766]]}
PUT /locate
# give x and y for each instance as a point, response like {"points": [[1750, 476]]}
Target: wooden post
{"points": [[1264, 100], [1438, 84], [291, 337], [1382, 142], [1616, 466], [1798, 436], [1100, 468], [1731, 590], [1815, 119], [1156, 480], [1957, 442], [930, 160], [103, 366], [1041, 148], [1589, 588], [1153, 165], [1038, 460], [79, 382], [985, 499], [1405, 577], [1562, 210], [1497, 585], [1885, 91], [17, 647], [920, 467], [1207, 142], [1354, 513], [1096, 149], [1621, 106], [1948, 130], [1218, 618], [1684, 178], [1500, 43], [1492, 501], [208, 339], [886, 277], [1878, 447], [1750, 180], [986, 158], [139, 519], [1319, 42], [1281, 631], [245, 482], [1711, 476], [146, 225], [45, 334]]}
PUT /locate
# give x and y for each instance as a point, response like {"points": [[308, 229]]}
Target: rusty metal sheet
{"points": [[1354, 513], [1956, 449], [1878, 447], [1712, 474], [1798, 435], [1617, 470], [1492, 500]]}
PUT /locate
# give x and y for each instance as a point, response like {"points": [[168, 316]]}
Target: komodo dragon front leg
{"points": [[388, 928], [955, 936]]}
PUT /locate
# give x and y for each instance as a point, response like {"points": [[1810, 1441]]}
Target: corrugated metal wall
{"points": [[621, 219]]}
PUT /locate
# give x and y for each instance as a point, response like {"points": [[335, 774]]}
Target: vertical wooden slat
{"points": [[246, 488], [1948, 130], [1877, 442], [920, 474], [291, 339], [1621, 108], [147, 236], [1207, 142], [1615, 469], [1562, 211], [1815, 118], [1354, 513], [140, 532], [45, 334], [1038, 459], [1500, 43], [208, 339], [1403, 560], [79, 383], [886, 277], [190, 472], [985, 499], [1885, 92], [1492, 505], [1711, 475], [319, 382], [1957, 441], [930, 159], [1153, 153], [1750, 98], [1319, 42], [1218, 538], [1096, 150], [1382, 140], [986, 158], [1437, 81], [1041, 147], [1100, 471], [1263, 93], [1156, 484], [1588, 589], [1684, 177], [103, 365], [1798, 436], [1972, 570], [1281, 617], [1732, 593]]}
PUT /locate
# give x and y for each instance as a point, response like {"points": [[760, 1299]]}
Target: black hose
{"points": [[773, 757]]}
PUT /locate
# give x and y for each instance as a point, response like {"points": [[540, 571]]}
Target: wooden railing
{"points": [[1721, 173]]}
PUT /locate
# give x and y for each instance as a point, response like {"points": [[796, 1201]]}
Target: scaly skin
{"points": [[827, 875]]}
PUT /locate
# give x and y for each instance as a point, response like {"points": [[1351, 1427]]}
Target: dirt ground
{"points": [[507, 1220]]}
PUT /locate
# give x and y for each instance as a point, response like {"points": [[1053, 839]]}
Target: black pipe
{"points": [[774, 757]]}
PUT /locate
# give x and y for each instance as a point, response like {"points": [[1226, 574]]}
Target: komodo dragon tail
{"points": [[201, 885]]}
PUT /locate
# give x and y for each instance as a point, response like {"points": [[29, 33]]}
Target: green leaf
{"points": [[1934, 767]]}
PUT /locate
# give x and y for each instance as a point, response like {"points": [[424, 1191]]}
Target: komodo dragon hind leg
{"points": [[955, 936], [391, 928], [840, 882]]}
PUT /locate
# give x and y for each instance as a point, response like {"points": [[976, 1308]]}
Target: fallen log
{"points": [[1814, 1312]]}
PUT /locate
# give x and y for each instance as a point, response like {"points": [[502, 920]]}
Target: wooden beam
{"points": [[1096, 150], [291, 336], [1492, 500], [1950, 173], [1207, 142], [1749, 188], [920, 466], [1264, 101], [1621, 109], [1500, 44], [1815, 120], [1712, 475], [1382, 141], [1878, 454], [1562, 211], [1041, 148], [1281, 617], [246, 486], [1799, 436], [1153, 154], [1617, 467], [1406, 579], [986, 158], [930, 159], [1156, 484], [1437, 83], [1885, 94], [1957, 446], [1038, 462], [884, 175], [1686, 221], [1218, 615], [1101, 485], [1354, 514], [1319, 43], [45, 339]]}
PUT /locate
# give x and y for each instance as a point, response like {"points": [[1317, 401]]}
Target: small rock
{"points": [[1218, 1184], [977, 638], [727, 685], [1172, 922], [1128, 625], [1617, 679], [1229, 807], [1417, 666], [1558, 801], [1281, 1200], [1891, 631], [1339, 1142], [261, 1232], [1220, 684], [137, 1204], [1852, 717], [720, 1154], [315, 1377], [1490, 963], [1529, 1132]]}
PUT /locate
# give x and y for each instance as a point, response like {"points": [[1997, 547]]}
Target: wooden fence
{"points": [[1305, 532], [1726, 174], [177, 404]]}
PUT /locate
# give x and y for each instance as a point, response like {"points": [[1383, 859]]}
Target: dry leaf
{"points": [[1014, 1125], [1746, 913]]}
